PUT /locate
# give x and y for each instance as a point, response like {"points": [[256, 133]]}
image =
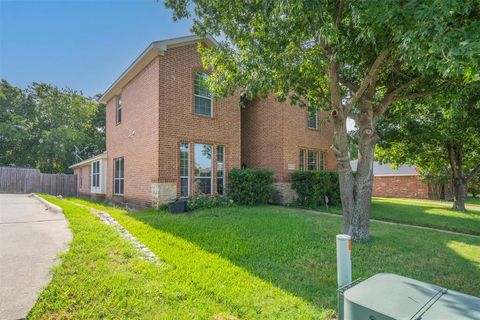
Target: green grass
{"points": [[103, 277], [423, 213], [473, 201], [275, 262]]}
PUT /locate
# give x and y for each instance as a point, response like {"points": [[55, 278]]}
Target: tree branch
{"points": [[472, 173], [340, 13], [369, 79], [390, 96], [350, 85]]}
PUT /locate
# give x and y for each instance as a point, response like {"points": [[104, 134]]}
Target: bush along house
{"points": [[167, 137]]}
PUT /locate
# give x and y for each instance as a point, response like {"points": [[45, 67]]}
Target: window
{"points": [[96, 174], [203, 168], [302, 159], [220, 169], [313, 120], [322, 165], [312, 160], [118, 180], [118, 110], [184, 169], [203, 98]]}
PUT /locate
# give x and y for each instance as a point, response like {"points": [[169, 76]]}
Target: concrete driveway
{"points": [[31, 237]]}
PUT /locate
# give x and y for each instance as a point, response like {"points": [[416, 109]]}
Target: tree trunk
{"points": [[460, 195], [356, 192]]}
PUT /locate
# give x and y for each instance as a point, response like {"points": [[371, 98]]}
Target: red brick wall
{"points": [[399, 187], [140, 101], [84, 172], [273, 134], [178, 121]]}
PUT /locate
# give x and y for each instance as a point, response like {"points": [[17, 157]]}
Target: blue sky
{"points": [[83, 45]]}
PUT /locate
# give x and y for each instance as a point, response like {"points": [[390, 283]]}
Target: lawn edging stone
{"points": [[109, 220]]}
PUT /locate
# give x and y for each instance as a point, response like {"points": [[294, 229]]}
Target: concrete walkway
{"points": [[31, 237]]}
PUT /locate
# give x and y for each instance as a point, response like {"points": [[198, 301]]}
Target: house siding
{"points": [[179, 123], [272, 135], [136, 137], [400, 187]]}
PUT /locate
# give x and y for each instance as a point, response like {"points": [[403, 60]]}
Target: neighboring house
{"points": [[403, 182], [166, 137]]}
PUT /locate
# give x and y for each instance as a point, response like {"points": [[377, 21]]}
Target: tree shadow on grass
{"points": [[296, 251]]}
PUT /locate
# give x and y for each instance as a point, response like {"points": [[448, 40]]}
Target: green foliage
{"points": [[473, 186], [421, 132], [208, 201], [313, 186], [41, 126], [250, 186]]}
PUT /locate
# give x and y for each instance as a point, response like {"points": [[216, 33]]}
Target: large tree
{"points": [[353, 58], [439, 131], [44, 127]]}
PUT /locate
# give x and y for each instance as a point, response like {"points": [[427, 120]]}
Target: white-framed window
{"points": [[184, 169], [203, 98], [96, 174], [118, 110], [312, 119], [203, 168], [302, 159], [118, 176], [220, 169], [312, 160]]}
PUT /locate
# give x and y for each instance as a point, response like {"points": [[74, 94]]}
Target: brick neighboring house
{"points": [[403, 182], [166, 137]]}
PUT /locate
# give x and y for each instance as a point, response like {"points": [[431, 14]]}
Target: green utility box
{"points": [[387, 296]]}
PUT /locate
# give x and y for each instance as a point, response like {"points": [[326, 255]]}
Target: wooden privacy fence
{"points": [[24, 180]]}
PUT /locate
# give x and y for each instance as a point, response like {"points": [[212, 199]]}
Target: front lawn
{"points": [[473, 201], [422, 213], [275, 262]]}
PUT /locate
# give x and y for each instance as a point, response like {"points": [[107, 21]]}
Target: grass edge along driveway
{"points": [[294, 252]]}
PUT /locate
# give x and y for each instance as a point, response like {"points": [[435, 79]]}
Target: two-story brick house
{"points": [[166, 136]]}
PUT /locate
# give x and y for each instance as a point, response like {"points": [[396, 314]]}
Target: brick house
{"points": [[403, 182], [166, 136]]}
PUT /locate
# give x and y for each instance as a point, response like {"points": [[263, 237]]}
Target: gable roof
{"points": [[386, 169], [154, 49]]}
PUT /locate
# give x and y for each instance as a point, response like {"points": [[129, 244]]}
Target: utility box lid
{"points": [[390, 296]]}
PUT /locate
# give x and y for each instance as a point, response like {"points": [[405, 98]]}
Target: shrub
{"points": [[250, 186], [208, 201], [313, 186]]}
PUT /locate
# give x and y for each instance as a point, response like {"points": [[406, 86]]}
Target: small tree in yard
{"points": [[442, 130], [352, 58]]}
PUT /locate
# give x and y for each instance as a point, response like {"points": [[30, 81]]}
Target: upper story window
{"points": [[203, 98], [313, 120], [118, 110], [96, 174]]}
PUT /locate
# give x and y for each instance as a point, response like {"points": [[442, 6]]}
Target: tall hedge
{"points": [[312, 187], [250, 186]]}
